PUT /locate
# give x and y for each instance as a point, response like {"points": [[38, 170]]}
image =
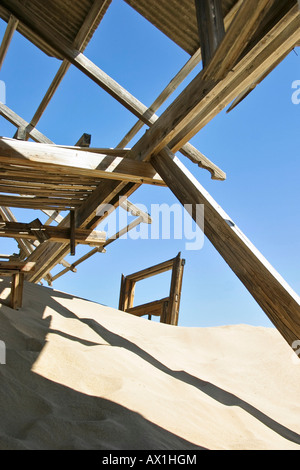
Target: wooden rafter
{"points": [[40, 232], [48, 159], [130, 102], [11, 27]]}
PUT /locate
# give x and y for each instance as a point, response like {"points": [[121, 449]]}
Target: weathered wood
{"points": [[153, 270], [10, 29], [16, 270], [168, 307], [239, 34], [72, 233], [17, 121], [89, 22], [36, 230], [72, 162], [203, 98], [23, 267], [106, 82], [172, 309], [16, 290], [154, 308], [276, 298], [211, 27], [84, 141]]}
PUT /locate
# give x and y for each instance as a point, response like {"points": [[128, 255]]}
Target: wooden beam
{"points": [[78, 163], [276, 298], [88, 24], [84, 141], [36, 230], [109, 85], [151, 308], [10, 29], [239, 34], [91, 253], [17, 121], [152, 271], [203, 98], [211, 27], [23, 267]]}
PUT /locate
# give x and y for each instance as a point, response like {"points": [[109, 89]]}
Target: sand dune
{"points": [[79, 375]]}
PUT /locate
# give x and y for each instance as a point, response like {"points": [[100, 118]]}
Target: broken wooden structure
{"points": [[167, 308], [17, 271], [240, 41]]}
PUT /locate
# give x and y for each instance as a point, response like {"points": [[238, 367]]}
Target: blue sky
{"points": [[257, 145]]}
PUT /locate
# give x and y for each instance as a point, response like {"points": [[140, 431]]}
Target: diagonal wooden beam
{"points": [[276, 298], [203, 98], [37, 231], [276, 43], [10, 29], [75, 57], [88, 24]]}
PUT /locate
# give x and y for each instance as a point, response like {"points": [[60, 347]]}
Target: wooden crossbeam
{"points": [[36, 230], [77, 163], [107, 83]]}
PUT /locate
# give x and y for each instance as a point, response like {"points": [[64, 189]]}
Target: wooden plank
{"points": [[272, 50], [36, 230], [9, 32], [175, 291], [276, 298], [73, 162], [23, 267], [88, 24], [211, 27], [239, 34], [152, 271], [151, 308], [102, 79], [17, 121], [84, 141]]}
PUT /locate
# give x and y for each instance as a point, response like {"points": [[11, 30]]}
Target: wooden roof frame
{"points": [[234, 64]]}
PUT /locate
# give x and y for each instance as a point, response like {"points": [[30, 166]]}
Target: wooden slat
{"points": [[10, 29], [104, 81], [23, 267], [31, 231], [73, 162], [151, 308], [152, 271], [88, 24]]}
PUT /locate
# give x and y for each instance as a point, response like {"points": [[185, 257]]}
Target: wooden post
{"points": [[72, 233], [175, 290], [17, 290], [211, 27]]}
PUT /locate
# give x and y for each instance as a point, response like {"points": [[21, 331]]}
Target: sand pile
{"points": [[79, 375]]}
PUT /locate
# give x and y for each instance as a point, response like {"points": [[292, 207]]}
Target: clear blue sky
{"points": [[257, 145]]}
